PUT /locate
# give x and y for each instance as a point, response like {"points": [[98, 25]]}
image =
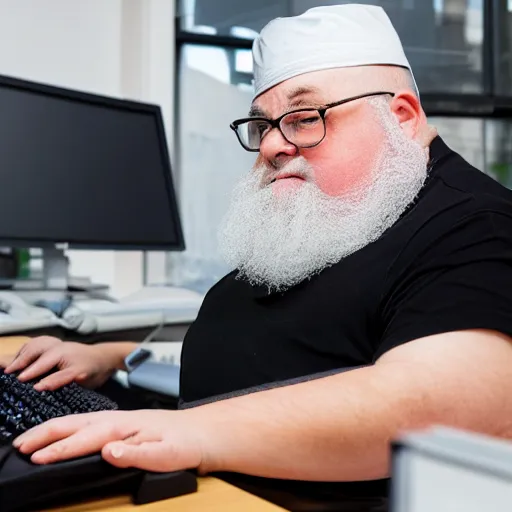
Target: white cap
{"points": [[323, 38]]}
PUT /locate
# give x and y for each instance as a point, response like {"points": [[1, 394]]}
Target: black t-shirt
{"points": [[446, 265]]}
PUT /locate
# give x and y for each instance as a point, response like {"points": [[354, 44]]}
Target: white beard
{"points": [[280, 240]]}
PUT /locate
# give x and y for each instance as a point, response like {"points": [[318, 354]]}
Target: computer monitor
{"points": [[83, 171]]}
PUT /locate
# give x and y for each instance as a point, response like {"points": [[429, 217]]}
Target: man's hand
{"points": [[89, 365], [147, 439]]}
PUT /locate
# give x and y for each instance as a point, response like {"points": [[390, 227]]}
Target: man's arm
{"points": [[339, 428], [333, 429]]}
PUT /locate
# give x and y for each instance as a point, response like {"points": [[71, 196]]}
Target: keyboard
{"points": [[27, 486], [22, 407]]}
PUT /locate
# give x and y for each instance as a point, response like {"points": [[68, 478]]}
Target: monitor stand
{"points": [[55, 277], [56, 274], [55, 269]]}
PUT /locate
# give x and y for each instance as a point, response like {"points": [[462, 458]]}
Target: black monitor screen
{"points": [[83, 170]]}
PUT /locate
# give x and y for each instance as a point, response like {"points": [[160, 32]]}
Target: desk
{"points": [[213, 494]]}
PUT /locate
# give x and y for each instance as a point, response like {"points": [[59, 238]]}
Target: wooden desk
{"points": [[213, 495]]}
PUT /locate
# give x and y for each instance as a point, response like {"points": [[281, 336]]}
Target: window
{"points": [[464, 135], [214, 85], [448, 43], [498, 151], [484, 143], [442, 39], [503, 51]]}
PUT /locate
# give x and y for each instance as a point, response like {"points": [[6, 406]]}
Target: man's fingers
{"points": [[23, 358], [84, 441], [30, 351], [43, 364], [151, 456], [73, 436], [60, 378], [50, 432]]}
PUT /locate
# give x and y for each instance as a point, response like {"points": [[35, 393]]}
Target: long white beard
{"points": [[279, 240]]}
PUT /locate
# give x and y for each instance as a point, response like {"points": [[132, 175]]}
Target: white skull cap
{"points": [[324, 38]]}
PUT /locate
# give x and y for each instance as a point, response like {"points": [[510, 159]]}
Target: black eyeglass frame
{"points": [[276, 123]]}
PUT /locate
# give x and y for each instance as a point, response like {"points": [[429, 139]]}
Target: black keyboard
{"points": [[22, 407], [25, 486]]}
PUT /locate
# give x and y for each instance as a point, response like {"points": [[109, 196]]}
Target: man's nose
{"points": [[274, 144]]}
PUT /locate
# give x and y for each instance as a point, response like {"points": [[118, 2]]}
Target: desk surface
{"points": [[212, 495]]}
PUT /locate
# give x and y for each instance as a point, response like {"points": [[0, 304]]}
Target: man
{"points": [[361, 242]]}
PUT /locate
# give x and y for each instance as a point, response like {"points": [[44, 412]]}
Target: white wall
{"points": [[121, 48], [147, 73], [74, 44]]}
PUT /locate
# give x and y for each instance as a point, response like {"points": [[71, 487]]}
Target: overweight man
{"points": [[371, 290]]}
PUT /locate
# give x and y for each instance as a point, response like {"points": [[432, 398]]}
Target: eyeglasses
{"points": [[304, 128]]}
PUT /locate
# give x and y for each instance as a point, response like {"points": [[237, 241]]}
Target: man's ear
{"points": [[406, 107]]}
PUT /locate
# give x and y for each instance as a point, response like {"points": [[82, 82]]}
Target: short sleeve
{"points": [[460, 280]]}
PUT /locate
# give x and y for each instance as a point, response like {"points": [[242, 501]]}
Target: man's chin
{"points": [[287, 185]]}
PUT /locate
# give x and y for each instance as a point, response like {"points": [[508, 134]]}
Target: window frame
{"points": [[485, 105]]}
